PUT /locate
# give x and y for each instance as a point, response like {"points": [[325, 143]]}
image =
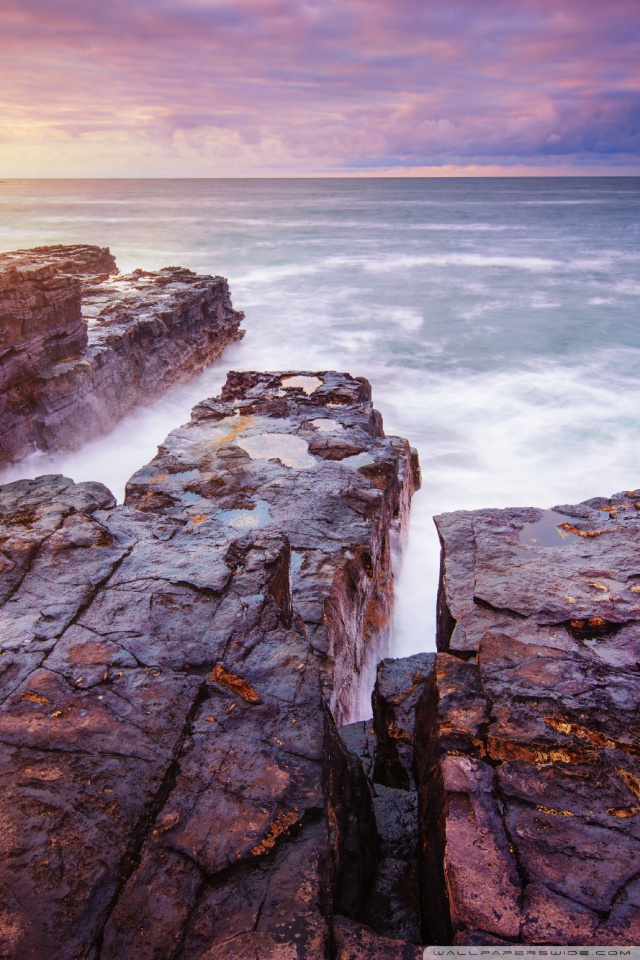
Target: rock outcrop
{"points": [[274, 442], [187, 765], [171, 671], [527, 733], [81, 345]]}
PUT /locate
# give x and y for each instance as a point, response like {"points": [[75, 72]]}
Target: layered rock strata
{"points": [[527, 733], [170, 673], [81, 345]]}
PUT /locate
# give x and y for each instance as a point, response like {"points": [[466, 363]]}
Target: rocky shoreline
{"points": [[82, 344], [188, 768]]}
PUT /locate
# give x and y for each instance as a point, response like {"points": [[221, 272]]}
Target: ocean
{"points": [[498, 321]]}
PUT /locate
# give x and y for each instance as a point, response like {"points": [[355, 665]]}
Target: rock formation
{"points": [[81, 345], [527, 733], [187, 768], [171, 670]]}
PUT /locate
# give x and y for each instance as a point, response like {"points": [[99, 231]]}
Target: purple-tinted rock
{"points": [[527, 731], [245, 462], [79, 348], [354, 941], [398, 688], [174, 783]]}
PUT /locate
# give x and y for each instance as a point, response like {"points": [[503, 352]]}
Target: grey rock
{"points": [[395, 696], [527, 753]]}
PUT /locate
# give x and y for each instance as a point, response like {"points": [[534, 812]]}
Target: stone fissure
{"points": [[146, 824]]}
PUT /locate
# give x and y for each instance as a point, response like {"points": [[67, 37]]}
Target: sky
{"points": [[219, 88]]}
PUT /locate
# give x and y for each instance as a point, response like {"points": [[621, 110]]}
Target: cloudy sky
{"points": [[318, 87]]}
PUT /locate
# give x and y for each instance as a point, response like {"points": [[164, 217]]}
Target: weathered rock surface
{"points": [[357, 942], [527, 737], [81, 346], [393, 907], [399, 685], [174, 784], [305, 454], [393, 904]]}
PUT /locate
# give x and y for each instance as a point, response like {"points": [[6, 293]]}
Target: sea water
{"points": [[498, 321]]}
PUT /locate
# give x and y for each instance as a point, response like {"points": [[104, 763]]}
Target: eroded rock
{"points": [[399, 685], [81, 345], [175, 786], [245, 462], [527, 730]]}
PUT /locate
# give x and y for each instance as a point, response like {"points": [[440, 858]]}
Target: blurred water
{"points": [[498, 321]]}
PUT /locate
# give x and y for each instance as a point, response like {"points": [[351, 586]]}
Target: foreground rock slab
{"points": [[170, 673], [527, 733], [81, 344]]}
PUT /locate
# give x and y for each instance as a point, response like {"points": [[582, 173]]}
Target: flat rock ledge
{"points": [[171, 674], [81, 344], [527, 736]]}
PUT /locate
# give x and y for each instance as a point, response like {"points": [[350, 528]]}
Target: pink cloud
{"points": [[343, 85]]}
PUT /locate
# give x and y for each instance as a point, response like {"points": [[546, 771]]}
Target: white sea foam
{"points": [[403, 262]]}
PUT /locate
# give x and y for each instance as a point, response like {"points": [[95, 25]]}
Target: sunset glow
{"points": [[290, 88]]}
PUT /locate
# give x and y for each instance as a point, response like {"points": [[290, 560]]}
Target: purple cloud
{"points": [[296, 85]]}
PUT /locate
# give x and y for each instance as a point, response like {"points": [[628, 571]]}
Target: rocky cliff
{"points": [[81, 345], [171, 671]]}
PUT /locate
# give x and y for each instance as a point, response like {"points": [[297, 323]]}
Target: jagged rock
{"points": [[354, 941], [174, 783], [40, 309], [360, 739], [246, 462], [79, 348], [395, 696], [527, 730], [393, 906]]}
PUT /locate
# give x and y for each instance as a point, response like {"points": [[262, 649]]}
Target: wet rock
{"points": [[393, 906], [174, 782], [360, 739], [354, 941], [81, 345], [396, 693], [526, 736], [244, 462]]}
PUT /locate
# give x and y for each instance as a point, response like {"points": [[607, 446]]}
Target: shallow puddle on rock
{"points": [[290, 450], [185, 475], [308, 384], [546, 532], [325, 425], [242, 519], [359, 460]]}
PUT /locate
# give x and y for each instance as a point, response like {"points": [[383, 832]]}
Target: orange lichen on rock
{"points": [[631, 782], [569, 527], [282, 824], [236, 684], [592, 737], [32, 697]]}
